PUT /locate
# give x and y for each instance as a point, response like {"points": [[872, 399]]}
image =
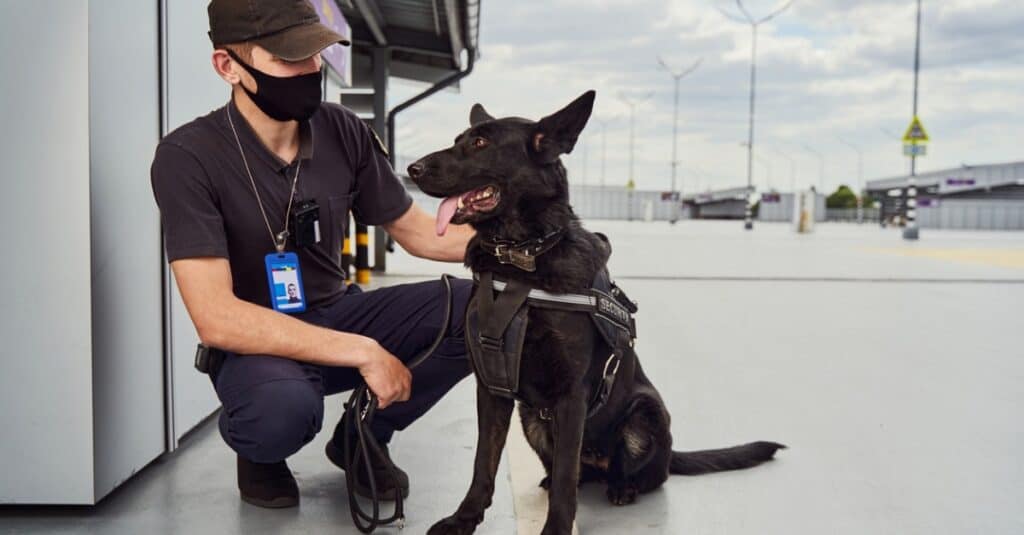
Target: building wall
{"points": [[127, 337], [782, 211], [730, 209], [974, 214], [1015, 192], [46, 406], [596, 202]]}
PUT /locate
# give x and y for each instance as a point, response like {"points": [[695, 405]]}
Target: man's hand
{"points": [[386, 376]]}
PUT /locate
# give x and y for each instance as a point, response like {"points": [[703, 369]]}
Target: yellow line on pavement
{"points": [[1008, 258]]}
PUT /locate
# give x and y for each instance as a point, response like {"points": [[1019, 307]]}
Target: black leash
{"points": [[359, 412]]}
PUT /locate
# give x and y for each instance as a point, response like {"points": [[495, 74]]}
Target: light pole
{"points": [[676, 76], [583, 141], [604, 159], [748, 222], [632, 103], [604, 145], [792, 167], [860, 178], [768, 168], [910, 232], [821, 168]]}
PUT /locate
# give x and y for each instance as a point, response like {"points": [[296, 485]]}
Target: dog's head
{"points": [[498, 166]]}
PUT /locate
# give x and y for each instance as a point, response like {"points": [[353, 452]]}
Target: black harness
{"points": [[496, 324]]}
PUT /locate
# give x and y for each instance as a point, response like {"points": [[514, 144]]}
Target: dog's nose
{"points": [[415, 170]]}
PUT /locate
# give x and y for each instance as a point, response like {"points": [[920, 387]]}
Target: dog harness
{"points": [[496, 329]]}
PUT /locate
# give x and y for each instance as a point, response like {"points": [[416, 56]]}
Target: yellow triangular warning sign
{"points": [[630, 185], [915, 132]]}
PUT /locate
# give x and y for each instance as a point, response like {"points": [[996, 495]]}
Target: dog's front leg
{"points": [[493, 416], [570, 414]]}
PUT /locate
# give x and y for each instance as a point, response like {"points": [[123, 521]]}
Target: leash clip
{"points": [[366, 408]]}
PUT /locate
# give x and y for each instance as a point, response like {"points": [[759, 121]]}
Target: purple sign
{"points": [[927, 201], [959, 181], [770, 197], [338, 57]]}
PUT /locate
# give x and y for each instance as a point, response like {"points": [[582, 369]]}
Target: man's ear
{"points": [[556, 134], [478, 115]]}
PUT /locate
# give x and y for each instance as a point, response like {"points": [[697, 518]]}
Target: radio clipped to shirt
{"points": [[305, 223]]}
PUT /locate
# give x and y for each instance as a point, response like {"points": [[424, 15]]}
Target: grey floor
{"points": [[893, 371]]}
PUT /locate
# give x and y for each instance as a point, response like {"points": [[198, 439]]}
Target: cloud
{"points": [[827, 70]]}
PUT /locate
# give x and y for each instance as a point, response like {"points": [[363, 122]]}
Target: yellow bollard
{"points": [[362, 254]]}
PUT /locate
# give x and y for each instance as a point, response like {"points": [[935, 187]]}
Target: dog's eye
{"points": [[480, 142]]}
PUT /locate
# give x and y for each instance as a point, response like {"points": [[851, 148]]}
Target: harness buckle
{"points": [[492, 344], [503, 256]]}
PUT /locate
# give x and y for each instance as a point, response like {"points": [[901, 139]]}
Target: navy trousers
{"points": [[273, 406]]}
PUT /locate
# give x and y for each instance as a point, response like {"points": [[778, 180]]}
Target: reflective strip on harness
{"points": [[541, 295]]}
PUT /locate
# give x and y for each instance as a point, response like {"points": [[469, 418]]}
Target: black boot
{"points": [[267, 485], [387, 486]]}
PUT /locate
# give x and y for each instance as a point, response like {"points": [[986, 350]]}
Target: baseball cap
{"points": [[288, 29]]}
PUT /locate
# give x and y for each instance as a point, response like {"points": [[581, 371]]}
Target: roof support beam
{"points": [[374, 20], [414, 40], [451, 10]]}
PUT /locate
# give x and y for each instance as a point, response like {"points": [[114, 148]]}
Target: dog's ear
{"points": [[478, 115], [556, 134]]}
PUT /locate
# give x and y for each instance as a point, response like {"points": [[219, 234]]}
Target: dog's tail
{"points": [[691, 463]]}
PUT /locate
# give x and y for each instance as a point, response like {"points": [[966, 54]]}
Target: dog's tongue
{"points": [[445, 213]]}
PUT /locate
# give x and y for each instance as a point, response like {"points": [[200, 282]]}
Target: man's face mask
{"points": [[284, 98]]}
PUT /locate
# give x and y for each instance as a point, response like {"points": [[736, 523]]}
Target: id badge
{"points": [[286, 292]]}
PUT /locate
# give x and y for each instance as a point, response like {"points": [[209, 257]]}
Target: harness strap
{"points": [[500, 365], [615, 308]]}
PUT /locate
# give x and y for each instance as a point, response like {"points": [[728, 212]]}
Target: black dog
{"points": [[504, 177]]}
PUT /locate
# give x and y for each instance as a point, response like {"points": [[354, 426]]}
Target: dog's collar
{"points": [[522, 254]]}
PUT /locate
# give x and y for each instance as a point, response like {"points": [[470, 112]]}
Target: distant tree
{"points": [[843, 197]]}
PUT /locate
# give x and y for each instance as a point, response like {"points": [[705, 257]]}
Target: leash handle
{"points": [[364, 403]]}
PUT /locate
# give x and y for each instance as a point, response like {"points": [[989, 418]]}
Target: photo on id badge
{"points": [[286, 291]]}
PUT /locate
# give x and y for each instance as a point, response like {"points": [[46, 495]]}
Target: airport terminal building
{"points": [[980, 197]]}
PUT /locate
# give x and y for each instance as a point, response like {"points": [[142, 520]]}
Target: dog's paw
{"points": [[451, 526], [623, 495]]}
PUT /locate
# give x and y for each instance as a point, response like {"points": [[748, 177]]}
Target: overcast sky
{"points": [[828, 71]]}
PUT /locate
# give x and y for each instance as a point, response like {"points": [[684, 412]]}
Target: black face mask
{"points": [[284, 98]]}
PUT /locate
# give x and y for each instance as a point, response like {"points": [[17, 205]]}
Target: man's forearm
{"points": [[244, 328], [452, 246]]}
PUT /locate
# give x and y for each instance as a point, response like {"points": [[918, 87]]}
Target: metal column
{"points": [[381, 70]]}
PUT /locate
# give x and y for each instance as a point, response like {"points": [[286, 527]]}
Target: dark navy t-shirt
{"points": [[208, 207]]}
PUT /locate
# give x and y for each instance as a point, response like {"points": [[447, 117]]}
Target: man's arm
{"points": [[226, 322], [414, 231]]}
